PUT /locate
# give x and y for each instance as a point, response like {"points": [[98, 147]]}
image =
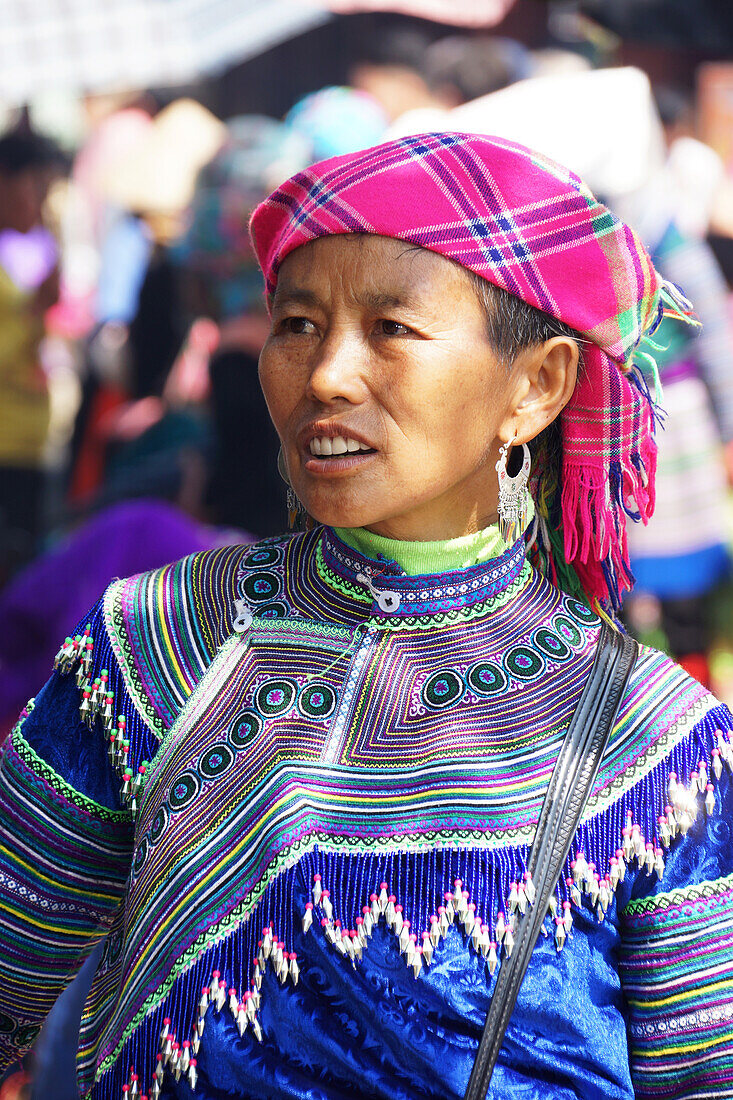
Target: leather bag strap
{"points": [[570, 785]]}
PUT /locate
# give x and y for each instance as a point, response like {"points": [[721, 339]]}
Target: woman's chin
{"points": [[340, 513]]}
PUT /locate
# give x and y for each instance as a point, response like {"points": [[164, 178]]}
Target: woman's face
{"points": [[384, 390]]}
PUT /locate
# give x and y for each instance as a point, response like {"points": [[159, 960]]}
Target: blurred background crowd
{"points": [[135, 140]]}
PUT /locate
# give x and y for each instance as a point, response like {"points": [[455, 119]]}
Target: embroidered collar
{"points": [[427, 557], [423, 595]]}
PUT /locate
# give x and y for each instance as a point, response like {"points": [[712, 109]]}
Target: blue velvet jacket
{"points": [[299, 810]]}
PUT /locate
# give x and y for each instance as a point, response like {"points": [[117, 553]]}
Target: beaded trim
{"points": [[97, 703]]}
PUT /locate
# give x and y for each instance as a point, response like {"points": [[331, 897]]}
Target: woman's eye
{"points": [[392, 328], [298, 326]]}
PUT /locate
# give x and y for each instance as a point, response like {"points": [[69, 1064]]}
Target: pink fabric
{"points": [[533, 228]]}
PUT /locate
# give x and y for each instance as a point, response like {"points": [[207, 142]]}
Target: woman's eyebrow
{"points": [[375, 301], [382, 301], [285, 293]]}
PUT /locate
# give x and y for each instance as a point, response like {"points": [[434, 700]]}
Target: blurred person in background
{"points": [[337, 120], [418, 81], [392, 71], [460, 67], [107, 252], [142, 429], [681, 557], [28, 164], [109, 244], [217, 277]]}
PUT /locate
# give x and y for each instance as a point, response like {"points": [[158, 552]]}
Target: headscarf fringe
{"points": [[676, 305], [595, 503], [637, 379]]}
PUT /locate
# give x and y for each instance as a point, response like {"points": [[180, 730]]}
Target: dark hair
{"points": [[22, 151], [403, 48], [475, 65], [514, 325]]}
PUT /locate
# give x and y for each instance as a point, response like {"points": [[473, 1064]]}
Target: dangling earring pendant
{"points": [[513, 494], [294, 505]]}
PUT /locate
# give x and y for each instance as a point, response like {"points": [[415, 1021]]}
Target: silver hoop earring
{"points": [[513, 494], [281, 467]]}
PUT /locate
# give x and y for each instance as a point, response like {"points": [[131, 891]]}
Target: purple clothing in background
{"points": [[46, 600], [28, 258]]}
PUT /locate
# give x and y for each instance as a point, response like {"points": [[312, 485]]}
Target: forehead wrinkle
{"points": [[364, 275], [372, 300]]}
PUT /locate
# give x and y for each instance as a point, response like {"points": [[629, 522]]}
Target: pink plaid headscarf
{"points": [[533, 228]]}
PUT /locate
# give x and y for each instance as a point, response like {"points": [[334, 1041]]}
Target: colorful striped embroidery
{"points": [[65, 863], [677, 973]]}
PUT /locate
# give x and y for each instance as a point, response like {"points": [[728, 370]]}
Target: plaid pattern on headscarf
{"points": [[533, 228]]}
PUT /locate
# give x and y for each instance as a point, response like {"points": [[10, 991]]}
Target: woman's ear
{"points": [[544, 378]]}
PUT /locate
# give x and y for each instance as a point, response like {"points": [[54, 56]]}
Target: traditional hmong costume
{"points": [[303, 787]]}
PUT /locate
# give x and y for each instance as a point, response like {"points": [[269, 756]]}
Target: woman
{"points": [[334, 746]]}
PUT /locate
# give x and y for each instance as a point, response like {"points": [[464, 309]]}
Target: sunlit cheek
{"points": [[281, 394]]}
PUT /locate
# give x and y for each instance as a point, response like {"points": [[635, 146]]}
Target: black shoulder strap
{"points": [[570, 785]]}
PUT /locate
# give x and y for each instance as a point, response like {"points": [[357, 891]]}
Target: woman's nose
{"points": [[337, 370]]}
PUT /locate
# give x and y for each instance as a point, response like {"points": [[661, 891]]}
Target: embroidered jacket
{"points": [[295, 789]]}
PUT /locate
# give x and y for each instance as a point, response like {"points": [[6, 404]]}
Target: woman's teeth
{"points": [[324, 445]]}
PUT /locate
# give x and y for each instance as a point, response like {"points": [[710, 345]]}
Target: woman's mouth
{"points": [[336, 455], [322, 446]]}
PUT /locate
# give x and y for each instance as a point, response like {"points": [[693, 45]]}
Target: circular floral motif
{"points": [[317, 701], [159, 823], [244, 729], [567, 630], [141, 854], [261, 587], [551, 644], [580, 611], [275, 697], [216, 761], [261, 557], [523, 662], [276, 610], [184, 789], [486, 678], [443, 688]]}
